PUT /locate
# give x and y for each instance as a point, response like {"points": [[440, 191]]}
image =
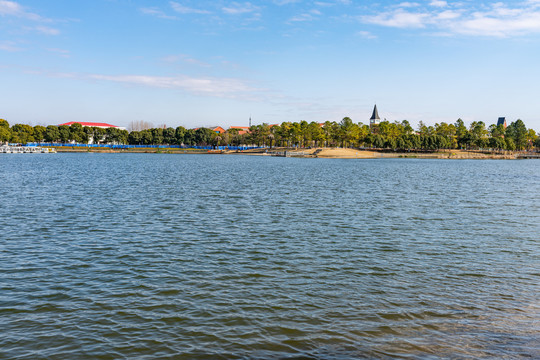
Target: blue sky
{"points": [[203, 63]]}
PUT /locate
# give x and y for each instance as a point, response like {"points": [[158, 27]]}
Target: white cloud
{"points": [[332, 3], [448, 15], [438, 3], [308, 16], [9, 46], [186, 59], [208, 86], [12, 8], [285, 2], [489, 25], [408, 4], [399, 18], [238, 8], [366, 35], [497, 20], [62, 52], [179, 8], [47, 30], [156, 12]]}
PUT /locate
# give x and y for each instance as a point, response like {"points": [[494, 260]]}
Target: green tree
{"points": [[497, 143], [52, 134], [179, 135], [157, 136], [146, 137], [349, 132], [203, 136], [5, 131], [96, 134], [169, 136], [22, 133], [295, 134], [537, 141], [378, 141], [64, 133], [77, 134], [518, 132], [316, 133], [510, 144], [407, 128], [531, 137], [39, 133], [478, 133], [496, 130], [116, 136], [331, 133], [463, 137], [135, 138], [189, 137], [391, 143]]}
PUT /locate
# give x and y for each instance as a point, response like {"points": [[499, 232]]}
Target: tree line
{"points": [[386, 135]]}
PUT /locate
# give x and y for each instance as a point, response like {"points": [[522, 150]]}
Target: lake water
{"points": [[147, 256]]}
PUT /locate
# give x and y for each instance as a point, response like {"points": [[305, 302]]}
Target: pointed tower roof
{"points": [[375, 115]]}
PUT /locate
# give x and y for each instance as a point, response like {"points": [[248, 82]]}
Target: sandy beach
{"points": [[328, 153]]}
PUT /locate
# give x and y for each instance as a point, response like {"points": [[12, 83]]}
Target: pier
{"points": [[6, 149], [528, 156]]}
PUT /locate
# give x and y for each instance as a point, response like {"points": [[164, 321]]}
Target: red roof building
{"points": [[94, 124], [218, 129]]}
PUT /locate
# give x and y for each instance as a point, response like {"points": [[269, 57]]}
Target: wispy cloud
{"points": [[62, 52], [12, 8], [495, 20], [240, 8], [366, 35], [157, 13], [186, 59], [47, 30], [332, 3], [206, 86], [179, 8], [408, 4], [438, 3], [307, 16], [285, 2], [16, 10], [399, 18], [9, 46]]}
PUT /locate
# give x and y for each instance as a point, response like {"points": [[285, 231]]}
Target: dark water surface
{"points": [[155, 256]]}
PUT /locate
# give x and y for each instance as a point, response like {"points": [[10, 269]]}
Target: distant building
{"points": [[93, 124], [218, 129], [375, 119], [241, 129], [501, 121]]}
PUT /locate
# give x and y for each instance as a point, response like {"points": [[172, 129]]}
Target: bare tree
{"points": [[138, 125]]}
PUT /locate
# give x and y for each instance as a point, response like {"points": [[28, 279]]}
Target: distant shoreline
{"points": [[327, 153]]}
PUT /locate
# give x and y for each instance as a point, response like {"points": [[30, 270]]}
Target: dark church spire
{"points": [[375, 119], [375, 115]]}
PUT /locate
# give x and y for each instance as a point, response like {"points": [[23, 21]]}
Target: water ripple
{"points": [[125, 256]]}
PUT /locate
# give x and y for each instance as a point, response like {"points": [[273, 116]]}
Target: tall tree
{"points": [[22, 133], [179, 134], [39, 133], [518, 132], [5, 131], [77, 134], [52, 134]]}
